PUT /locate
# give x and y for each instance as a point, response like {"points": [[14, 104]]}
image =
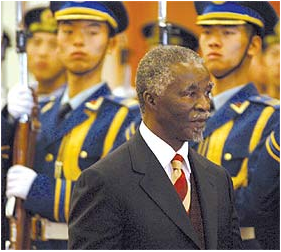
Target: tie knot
{"points": [[178, 157], [177, 162]]}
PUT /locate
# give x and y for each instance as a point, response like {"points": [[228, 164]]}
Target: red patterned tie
{"points": [[179, 181]]}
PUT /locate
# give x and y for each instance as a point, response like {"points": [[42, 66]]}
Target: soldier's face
{"points": [[82, 45], [223, 47], [43, 60]]}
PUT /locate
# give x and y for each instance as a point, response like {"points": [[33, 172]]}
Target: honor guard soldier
{"points": [[81, 126], [243, 133], [177, 35], [41, 48], [43, 61]]}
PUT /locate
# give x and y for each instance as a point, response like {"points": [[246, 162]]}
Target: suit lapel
{"points": [[158, 186], [207, 193]]}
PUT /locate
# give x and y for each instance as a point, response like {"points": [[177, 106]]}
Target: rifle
{"points": [[162, 22], [24, 145]]}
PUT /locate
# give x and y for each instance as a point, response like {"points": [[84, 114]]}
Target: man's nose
{"points": [[203, 103], [214, 40], [78, 38], [43, 49]]}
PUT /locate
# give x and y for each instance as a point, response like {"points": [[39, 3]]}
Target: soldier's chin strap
{"points": [[239, 64]]}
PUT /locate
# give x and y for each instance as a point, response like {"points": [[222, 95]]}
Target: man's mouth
{"points": [[213, 55], [200, 118]]}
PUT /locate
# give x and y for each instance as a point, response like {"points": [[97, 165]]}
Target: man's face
{"points": [[184, 107], [43, 61], [82, 44], [223, 47]]}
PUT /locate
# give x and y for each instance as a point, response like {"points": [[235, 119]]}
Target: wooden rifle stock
{"points": [[23, 154], [24, 144]]}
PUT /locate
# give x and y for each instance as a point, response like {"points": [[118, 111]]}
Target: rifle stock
{"points": [[23, 154], [24, 146]]}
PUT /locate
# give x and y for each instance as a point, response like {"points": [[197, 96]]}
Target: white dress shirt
{"points": [[164, 152]]}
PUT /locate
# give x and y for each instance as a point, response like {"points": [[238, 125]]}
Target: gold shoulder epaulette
{"points": [[47, 106], [94, 105], [266, 100]]}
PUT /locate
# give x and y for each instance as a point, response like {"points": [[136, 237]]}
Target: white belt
{"points": [[48, 230], [247, 233]]}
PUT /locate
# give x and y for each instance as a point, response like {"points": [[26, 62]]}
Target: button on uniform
{"points": [[227, 156], [83, 154], [49, 157]]}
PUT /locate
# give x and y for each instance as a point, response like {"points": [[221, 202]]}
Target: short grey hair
{"points": [[154, 73]]}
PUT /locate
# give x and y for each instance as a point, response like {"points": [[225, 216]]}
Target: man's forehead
{"points": [[82, 23], [223, 26], [190, 69], [44, 35]]}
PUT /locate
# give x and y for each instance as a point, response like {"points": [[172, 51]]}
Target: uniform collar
{"points": [[77, 100], [220, 99]]}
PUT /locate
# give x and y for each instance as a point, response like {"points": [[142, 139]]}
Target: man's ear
{"points": [[149, 99], [112, 43], [255, 46]]}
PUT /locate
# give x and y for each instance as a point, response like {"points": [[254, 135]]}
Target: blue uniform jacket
{"points": [[243, 137], [258, 204], [63, 150]]}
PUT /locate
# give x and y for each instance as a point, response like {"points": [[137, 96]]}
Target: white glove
{"points": [[19, 181], [19, 101]]}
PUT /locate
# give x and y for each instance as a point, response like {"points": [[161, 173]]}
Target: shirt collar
{"points": [[77, 100], [163, 151], [220, 99], [52, 96]]}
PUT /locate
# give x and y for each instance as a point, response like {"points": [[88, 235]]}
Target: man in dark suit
{"points": [[133, 198]]}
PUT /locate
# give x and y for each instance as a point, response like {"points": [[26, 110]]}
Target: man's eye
{"points": [[191, 94], [93, 31], [206, 32], [228, 32], [36, 42], [208, 94], [67, 31]]}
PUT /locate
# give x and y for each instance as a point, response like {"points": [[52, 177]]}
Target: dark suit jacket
{"points": [[126, 201]]}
